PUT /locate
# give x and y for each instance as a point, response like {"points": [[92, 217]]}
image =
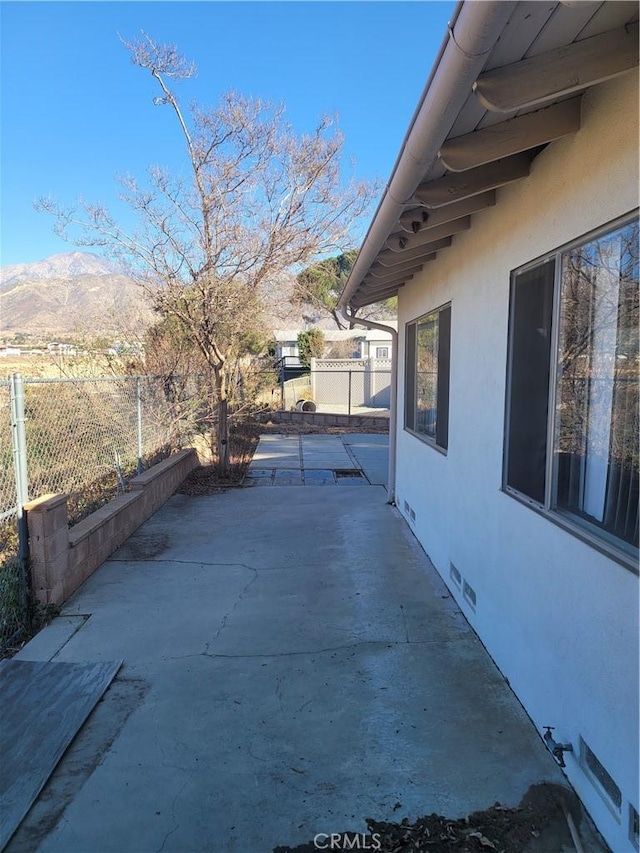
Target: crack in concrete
{"points": [[388, 643], [85, 618], [176, 825], [227, 616], [404, 622], [253, 755], [190, 563]]}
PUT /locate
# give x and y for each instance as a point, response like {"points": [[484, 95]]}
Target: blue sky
{"points": [[75, 112]]}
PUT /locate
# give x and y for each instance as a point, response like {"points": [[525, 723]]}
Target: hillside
{"points": [[75, 294], [80, 295]]}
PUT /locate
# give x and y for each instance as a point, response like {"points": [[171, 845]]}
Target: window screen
{"points": [[531, 312], [427, 376]]}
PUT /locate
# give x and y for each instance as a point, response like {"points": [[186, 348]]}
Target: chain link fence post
{"points": [[282, 367], [349, 409], [139, 412], [19, 445]]}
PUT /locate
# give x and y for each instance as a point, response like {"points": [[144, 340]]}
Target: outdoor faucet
{"points": [[556, 749]]}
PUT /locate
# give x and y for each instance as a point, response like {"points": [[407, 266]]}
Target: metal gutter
{"points": [[371, 324], [476, 26]]}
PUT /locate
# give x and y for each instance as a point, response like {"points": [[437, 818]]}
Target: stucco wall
{"points": [[559, 617]]}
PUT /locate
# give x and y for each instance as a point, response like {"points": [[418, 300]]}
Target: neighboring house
{"points": [[378, 344], [350, 343], [509, 231]]}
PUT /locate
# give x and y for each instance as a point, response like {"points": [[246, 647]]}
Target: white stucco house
{"points": [[509, 231], [357, 343]]}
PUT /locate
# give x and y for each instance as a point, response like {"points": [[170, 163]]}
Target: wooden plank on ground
{"points": [[43, 704]]}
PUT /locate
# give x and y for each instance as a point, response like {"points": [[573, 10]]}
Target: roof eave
{"points": [[471, 37]]}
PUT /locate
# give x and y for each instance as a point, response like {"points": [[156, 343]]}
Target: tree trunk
{"points": [[222, 432], [223, 437]]}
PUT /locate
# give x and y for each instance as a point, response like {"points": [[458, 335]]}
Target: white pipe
{"points": [[476, 26], [393, 403]]}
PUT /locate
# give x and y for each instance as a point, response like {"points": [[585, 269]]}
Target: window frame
{"points": [[602, 541], [410, 428], [386, 349]]}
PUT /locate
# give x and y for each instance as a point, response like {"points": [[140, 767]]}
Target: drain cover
{"points": [[347, 472]]}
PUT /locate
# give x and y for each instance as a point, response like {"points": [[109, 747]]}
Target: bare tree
{"points": [[259, 199]]}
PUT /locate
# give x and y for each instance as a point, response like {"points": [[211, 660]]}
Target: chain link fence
{"points": [[85, 438]]}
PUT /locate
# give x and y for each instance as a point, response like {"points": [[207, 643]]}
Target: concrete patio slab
{"points": [[371, 451], [327, 451], [277, 456], [277, 451], [292, 665]]}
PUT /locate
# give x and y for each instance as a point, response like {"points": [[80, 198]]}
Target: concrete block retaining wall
{"points": [[62, 558]]}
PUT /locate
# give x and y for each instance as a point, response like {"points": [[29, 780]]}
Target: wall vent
{"points": [[409, 511], [469, 593], [634, 827], [455, 575], [601, 778]]}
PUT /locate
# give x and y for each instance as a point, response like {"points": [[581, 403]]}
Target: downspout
{"points": [[472, 35], [393, 403]]}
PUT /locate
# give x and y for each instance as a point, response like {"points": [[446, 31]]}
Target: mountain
{"points": [[80, 294], [70, 265], [74, 294]]}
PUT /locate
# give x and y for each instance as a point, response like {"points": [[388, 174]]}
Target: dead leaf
{"points": [[484, 841]]}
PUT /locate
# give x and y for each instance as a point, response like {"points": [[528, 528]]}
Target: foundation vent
{"points": [[469, 593], [409, 511], [634, 827], [601, 778], [455, 575]]}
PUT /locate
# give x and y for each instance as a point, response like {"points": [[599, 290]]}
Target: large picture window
{"points": [[572, 409], [427, 376]]}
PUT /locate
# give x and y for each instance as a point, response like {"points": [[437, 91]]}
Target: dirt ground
{"points": [[537, 825]]}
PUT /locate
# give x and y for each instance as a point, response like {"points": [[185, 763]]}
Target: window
{"points": [[572, 409], [382, 352], [427, 376]]}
